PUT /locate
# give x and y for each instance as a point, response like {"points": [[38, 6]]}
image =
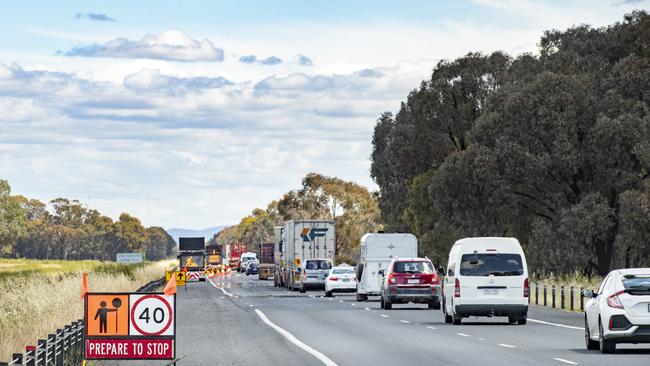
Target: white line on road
{"points": [[251, 305], [565, 361], [405, 321], [555, 324], [506, 345], [463, 335], [368, 309], [220, 288], [291, 338], [353, 304], [340, 300], [434, 328], [384, 316]]}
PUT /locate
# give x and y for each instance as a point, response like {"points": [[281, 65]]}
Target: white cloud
{"points": [[172, 45]]}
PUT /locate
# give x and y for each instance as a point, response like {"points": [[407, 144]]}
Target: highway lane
{"points": [[218, 323]]}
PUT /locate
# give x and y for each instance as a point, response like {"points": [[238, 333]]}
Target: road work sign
{"points": [[180, 277], [129, 326]]}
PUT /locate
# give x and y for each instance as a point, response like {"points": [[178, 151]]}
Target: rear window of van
{"points": [[491, 264], [313, 264]]}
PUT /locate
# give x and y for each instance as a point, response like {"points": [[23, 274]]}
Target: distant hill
{"points": [[207, 233]]}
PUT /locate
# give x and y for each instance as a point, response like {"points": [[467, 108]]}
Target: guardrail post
{"points": [[41, 351], [50, 354], [17, 358], [30, 359], [536, 293], [582, 299], [572, 298], [67, 332], [553, 296], [545, 292], [58, 348], [562, 297]]}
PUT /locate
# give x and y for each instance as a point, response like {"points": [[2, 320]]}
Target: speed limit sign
{"points": [[151, 315]]}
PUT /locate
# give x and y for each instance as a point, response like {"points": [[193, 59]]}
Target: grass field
{"points": [[37, 297]]}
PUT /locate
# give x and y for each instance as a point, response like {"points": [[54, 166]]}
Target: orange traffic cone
{"points": [[170, 288], [84, 286]]}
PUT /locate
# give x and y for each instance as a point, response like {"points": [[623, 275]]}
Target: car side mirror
{"points": [[588, 294], [382, 272]]}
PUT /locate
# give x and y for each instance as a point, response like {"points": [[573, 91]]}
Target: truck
{"points": [[307, 242], [267, 263], [377, 251], [191, 256], [236, 250]]}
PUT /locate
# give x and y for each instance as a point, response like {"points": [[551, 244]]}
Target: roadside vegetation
{"points": [[36, 303]]}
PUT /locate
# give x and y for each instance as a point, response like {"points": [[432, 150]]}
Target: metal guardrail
{"points": [[65, 345], [557, 296]]}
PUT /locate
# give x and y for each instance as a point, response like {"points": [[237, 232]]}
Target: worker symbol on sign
{"points": [[107, 314]]}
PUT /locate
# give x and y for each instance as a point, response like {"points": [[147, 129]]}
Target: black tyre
{"points": [[605, 345], [521, 321], [381, 301], [456, 319], [328, 293], [591, 345], [512, 319], [361, 297], [388, 305], [448, 319], [359, 271], [435, 305]]}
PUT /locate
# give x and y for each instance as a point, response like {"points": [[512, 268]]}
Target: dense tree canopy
{"points": [[350, 205], [66, 229], [552, 149]]}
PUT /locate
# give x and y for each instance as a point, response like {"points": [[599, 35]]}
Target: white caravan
{"points": [[377, 250], [486, 277]]}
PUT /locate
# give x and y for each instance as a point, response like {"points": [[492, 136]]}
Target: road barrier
{"points": [[65, 346], [558, 296]]}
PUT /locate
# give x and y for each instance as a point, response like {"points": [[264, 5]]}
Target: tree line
{"points": [[352, 207], [66, 229], [553, 149]]}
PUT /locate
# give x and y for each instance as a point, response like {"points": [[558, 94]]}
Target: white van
{"points": [[486, 277], [244, 259], [377, 251]]}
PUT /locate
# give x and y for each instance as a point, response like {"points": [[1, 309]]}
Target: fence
{"points": [[557, 296], [65, 346]]}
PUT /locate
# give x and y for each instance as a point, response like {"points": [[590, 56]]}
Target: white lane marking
{"points": [[330, 299], [463, 335], [223, 297], [291, 338], [405, 321], [221, 288], [368, 309], [384, 316], [555, 324], [251, 305], [434, 328], [353, 304], [340, 300], [506, 345], [565, 361]]}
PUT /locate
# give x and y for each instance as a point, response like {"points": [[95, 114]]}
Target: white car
{"points": [[340, 279], [486, 277], [619, 312]]}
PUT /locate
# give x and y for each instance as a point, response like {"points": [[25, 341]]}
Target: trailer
{"points": [[304, 240], [267, 262], [278, 258], [191, 256]]}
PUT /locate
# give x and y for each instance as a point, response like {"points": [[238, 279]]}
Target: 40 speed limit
{"points": [[151, 315]]}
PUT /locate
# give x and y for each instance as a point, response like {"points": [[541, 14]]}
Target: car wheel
{"points": [[512, 319], [361, 297], [381, 301], [388, 305], [591, 344], [456, 319], [302, 289], [521, 321], [328, 293], [605, 345], [435, 305]]}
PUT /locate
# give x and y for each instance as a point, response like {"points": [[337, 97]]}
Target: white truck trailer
{"points": [[302, 241], [377, 250]]}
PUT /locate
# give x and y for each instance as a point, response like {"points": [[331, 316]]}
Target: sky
{"points": [[193, 113]]}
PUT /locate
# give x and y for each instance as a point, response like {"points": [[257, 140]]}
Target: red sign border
{"points": [[172, 316]]}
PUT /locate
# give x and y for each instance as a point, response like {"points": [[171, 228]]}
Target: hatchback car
{"points": [[619, 312], [340, 279], [410, 280]]}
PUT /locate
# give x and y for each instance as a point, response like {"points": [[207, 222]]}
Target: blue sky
{"points": [[159, 109]]}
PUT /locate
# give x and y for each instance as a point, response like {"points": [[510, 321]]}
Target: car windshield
{"points": [[491, 264], [318, 264], [637, 284], [413, 267], [343, 271]]}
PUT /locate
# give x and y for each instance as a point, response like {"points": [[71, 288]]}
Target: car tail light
{"points": [[614, 302], [333, 278], [304, 275], [526, 288], [457, 288], [391, 279], [435, 279]]}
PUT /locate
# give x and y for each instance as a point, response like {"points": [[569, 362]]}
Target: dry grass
{"points": [[35, 304], [575, 281]]}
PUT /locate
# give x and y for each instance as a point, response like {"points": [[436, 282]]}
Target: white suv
{"points": [[620, 311]]}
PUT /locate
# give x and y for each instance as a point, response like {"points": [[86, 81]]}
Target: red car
{"points": [[409, 280]]}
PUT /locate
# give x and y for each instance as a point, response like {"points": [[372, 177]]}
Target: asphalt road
{"points": [[240, 320]]}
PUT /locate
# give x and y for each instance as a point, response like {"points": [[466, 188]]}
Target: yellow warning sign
{"points": [[180, 277]]}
